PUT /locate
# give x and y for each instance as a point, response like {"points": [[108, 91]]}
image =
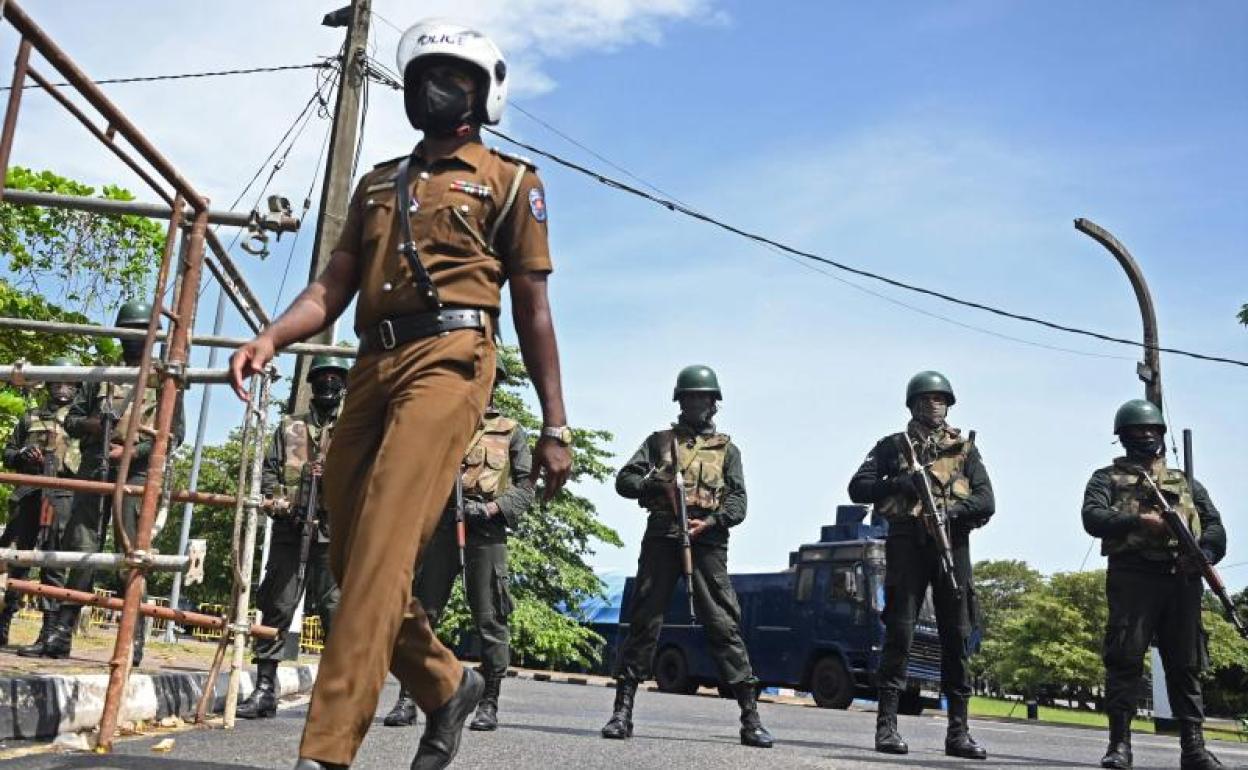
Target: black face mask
{"points": [[132, 350], [931, 414], [327, 391], [61, 393], [696, 415], [1147, 445], [437, 106]]}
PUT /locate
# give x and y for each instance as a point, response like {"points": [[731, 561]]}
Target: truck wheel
{"points": [[911, 702], [671, 672], [830, 684]]}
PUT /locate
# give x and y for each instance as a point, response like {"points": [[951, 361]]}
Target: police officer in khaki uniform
{"points": [[496, 492], [39, 445], [888, 480], [292, 468], [714, 493], [428, 241], [98, 419], [1153, 592]]}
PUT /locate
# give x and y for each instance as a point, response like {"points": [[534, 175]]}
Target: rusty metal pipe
{"points": [[117, 120], [105, 487], [181, 617], [20, 65], [20, 373]]}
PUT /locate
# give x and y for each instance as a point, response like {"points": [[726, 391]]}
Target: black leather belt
{"points": [[393, 332]]}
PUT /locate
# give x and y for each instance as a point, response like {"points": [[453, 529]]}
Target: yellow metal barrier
{"points": [[312, 636]]}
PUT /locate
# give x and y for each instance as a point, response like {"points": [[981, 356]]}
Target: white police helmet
{"points": [[441, 38]]}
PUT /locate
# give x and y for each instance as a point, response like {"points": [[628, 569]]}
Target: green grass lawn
{"points": [[992, 707]]}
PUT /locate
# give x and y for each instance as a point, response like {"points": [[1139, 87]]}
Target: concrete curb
{"points": [[47, 706]]}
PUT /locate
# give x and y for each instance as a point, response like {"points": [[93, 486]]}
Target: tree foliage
{"points": [[1243, 314]]}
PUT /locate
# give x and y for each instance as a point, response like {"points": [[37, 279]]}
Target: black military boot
{"points": [[262, 702], [958, 741], [312, 764], [404, 712], [444, 726], [486, 718], [37, 649], [1195, 756], [887, 739], [1118, 755], [61, 633], [752, 731], [620, 726]]}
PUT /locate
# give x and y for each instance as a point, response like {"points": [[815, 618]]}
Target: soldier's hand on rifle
{"points": [[656, 482], [31, 455], [318, 468], [476, 512], [1153, 524], [906, 482], [115, 450], [698, 526]]}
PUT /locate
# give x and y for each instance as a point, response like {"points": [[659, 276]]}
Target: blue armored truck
{"points": [[815, 627]]}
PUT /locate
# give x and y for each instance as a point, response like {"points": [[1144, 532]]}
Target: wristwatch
{"points": [[562, 434]]}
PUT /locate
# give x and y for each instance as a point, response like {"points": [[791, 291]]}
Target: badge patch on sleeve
{"points": [[537, 204]]}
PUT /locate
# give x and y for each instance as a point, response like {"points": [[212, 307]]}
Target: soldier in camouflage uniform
{"points": [[298, 441], [714, 491], [497, 491], [90, 513], [1153, 592], [961, 487], [39, 445]]}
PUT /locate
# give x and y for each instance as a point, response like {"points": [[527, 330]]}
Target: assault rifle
{"points": [[461, 525], [677, 494], [1190, 548], [935, 520], [107, 422], [306, 508], [47, 512]]}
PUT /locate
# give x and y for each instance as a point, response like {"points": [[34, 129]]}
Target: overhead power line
{"points": [[189, 75], [685, 210]]}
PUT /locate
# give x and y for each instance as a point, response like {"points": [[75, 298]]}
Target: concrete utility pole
{"points": [[337, 189]]}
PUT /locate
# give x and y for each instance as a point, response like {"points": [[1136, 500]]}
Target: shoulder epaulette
{"points": [[514, 158], [391, 161]]}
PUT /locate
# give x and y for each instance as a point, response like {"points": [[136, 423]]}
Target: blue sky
{"points": [[947, 144]]}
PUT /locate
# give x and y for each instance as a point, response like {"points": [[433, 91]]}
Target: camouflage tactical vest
{"points": [[114, 397], [47, 431], [1129, 493], [701, 462], [303, 441], [947, 473], [487, 464]]}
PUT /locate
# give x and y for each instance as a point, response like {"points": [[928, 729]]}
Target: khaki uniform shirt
{"points": [[456, 202]]}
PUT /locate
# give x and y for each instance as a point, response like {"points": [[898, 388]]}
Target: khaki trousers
{"points": [[408, 418]]}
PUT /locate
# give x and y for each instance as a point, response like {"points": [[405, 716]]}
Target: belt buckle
{"points": [[385, 330]]}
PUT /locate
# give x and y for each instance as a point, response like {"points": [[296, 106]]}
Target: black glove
{"points": [[30, 455], [655, 483], [903, 483], [475, 514]]}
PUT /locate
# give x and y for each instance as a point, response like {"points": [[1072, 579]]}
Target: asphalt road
{"points": [[548, 724]]}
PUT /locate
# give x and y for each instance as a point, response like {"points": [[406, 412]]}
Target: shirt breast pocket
{"points": [[378, 217], [457, 228]]}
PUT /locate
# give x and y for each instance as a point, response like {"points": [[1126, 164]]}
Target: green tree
{"points": [[1000, 587], [1243, 314], [1043, 644]]}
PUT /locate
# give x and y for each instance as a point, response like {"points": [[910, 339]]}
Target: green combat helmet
{"points": [[134, 313], [323, 361], [1137, 411], [697, 379], [929, 382]]}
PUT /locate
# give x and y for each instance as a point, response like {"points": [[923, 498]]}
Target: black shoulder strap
{"points": [[408, 246]]}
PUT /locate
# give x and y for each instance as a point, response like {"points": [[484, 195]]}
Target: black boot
{"points": [[486, 718], [887, 739], [958, 741], [37, 649], [404, 712], [262, 702], [620, 726], [1195, 756], [444, 726], [61, 633], [1118, 755], [752, 731], [312, 764]]}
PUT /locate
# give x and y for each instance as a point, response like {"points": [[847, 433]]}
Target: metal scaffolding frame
{"points": [[189, 247]]}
